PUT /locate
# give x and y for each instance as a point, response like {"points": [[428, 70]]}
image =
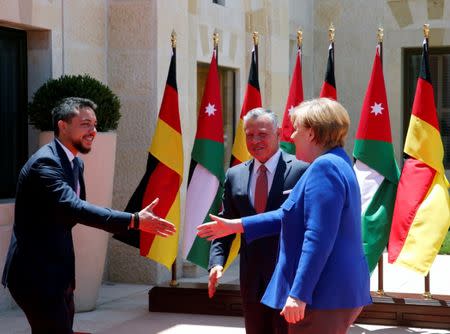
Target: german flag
{"points": [[422, 207], [252, 99], [162, 178], [329, 85]]}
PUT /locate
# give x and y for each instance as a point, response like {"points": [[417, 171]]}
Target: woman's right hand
{"points": [[219, 227]]}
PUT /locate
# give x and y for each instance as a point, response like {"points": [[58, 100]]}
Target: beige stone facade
{"points": [[126, 44]]}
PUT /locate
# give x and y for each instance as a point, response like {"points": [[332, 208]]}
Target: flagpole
{"points": [[299, 40], [331, 34], [427, 293], [216, 46], [255, 44], [173, 281], [380, 292]]}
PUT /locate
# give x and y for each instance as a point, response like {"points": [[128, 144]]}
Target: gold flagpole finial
{"points": [[173, 39], [331, 32], [426, 30], [255, 38], [215, 39], [299, 38], [380, 35]]}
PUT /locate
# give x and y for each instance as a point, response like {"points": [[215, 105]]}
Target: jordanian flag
{"points": [[294, 99], [162, 178], [252, 99], [329, 85], [422, 206], [206, 174], [375, 166]]}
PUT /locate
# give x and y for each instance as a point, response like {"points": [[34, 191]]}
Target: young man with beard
{"points": [[50, 201]]}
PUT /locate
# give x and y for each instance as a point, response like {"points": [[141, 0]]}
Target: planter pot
{"points": [[91, 244]]}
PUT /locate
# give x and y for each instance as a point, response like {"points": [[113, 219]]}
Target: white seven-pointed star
{"points": [[291, 110], [210, 109], [377, 109]]}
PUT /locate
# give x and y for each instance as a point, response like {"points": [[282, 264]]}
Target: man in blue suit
{"points": [[50, 200], [257, 259]]}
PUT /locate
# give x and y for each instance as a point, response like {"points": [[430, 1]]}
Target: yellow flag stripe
{"points": [[167, 147], [239, 147], [428, 229], [234, 251], [164, 250], [424, 143]]}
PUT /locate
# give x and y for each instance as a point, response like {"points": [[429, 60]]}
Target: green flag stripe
{"points": [[287, 147], [209, 154], [199, 252], [376, 222], [379, 156]]}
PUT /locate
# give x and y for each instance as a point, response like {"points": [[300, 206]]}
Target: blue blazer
{"points": [[257, 260], [321, 259], [41, 253]]}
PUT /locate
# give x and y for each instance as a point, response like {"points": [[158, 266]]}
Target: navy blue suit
{"points": [[257, 259], [40, 266]]}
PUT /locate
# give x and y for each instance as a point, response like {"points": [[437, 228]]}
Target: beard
{"points": [[80, 148]]}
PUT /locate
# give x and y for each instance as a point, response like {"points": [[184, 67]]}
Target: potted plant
{"points": [[90, 244]]}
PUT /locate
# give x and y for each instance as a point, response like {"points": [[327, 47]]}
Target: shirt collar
{"points": [[69, 154], [270, 164]]}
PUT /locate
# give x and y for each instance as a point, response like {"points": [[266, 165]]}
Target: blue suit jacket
{"points": [[321, 259], [41, 253], [257, 260]]}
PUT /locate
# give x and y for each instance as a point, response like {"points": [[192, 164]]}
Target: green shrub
{"points": [[54, 90], [445, 248]]}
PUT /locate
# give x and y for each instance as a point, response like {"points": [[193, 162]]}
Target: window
{"points": [[440, 77], [227, 92], [13, 104]]}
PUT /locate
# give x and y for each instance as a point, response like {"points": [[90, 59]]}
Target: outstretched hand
{"points": [[151, 223], [219, 227]]}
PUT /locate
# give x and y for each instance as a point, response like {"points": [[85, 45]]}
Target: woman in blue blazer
{"points": [[321, 280]]}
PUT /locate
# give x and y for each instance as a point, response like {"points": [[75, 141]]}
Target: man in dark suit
{"points": [[242, 197], [50, 200]]}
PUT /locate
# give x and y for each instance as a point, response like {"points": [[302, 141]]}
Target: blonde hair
{"points": [[327, 118]]}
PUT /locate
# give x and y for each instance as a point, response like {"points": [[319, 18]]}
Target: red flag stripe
{"points": [[168, 105], [208, 121], [409, 197], [328, 91], [294, 99], [423, 106], [160, 185]]}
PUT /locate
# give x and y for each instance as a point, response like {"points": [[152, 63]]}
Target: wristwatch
{"points": [[136, 221]]}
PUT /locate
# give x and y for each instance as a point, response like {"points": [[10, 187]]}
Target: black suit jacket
{"points": [[257, 259], [41, 253]]}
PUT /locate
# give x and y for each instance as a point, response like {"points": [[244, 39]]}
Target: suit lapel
{"points": [[281, 172], [82, 185], [245, 183], [65, 163], [68, 170]]}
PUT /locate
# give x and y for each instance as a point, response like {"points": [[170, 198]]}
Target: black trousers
{"points": [[46, 314], [261, 319]]}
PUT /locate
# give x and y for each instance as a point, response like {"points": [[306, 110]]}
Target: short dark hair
{"points": [[68, 108]]}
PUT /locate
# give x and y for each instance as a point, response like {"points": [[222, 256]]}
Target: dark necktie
{"points": [[261, 190], [76, 173]]}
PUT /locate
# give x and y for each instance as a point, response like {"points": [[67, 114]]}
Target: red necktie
{"points": [[261, 190]]}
